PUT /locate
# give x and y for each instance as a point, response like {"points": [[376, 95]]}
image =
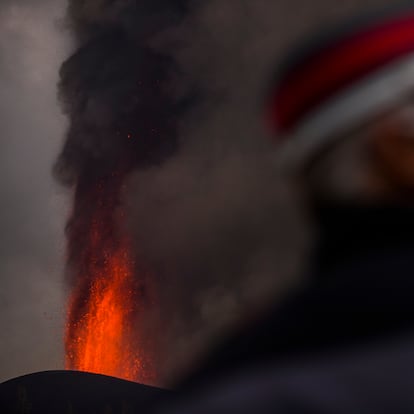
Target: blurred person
{"points": [[343, 113]]}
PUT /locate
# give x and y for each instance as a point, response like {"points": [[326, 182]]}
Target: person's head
{"points": [[345, 110], [373, 163]]}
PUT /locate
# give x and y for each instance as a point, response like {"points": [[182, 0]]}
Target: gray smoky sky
{"points": [[32, 208], [218, 223]]}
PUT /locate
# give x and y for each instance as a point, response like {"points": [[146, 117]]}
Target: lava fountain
{"points": [[103, 305]]}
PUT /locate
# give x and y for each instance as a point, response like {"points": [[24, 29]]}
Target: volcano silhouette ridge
{"points": [[75, 392]]}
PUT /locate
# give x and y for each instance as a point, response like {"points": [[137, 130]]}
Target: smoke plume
{"points": [[116, 89]]}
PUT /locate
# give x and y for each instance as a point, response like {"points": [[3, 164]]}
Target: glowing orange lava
{"points": [[99, 332]]}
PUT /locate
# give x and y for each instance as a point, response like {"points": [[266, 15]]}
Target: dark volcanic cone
{"points": [[75, 392]]}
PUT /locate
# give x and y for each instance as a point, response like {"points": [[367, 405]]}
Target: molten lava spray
{"points": [[103, 306]]}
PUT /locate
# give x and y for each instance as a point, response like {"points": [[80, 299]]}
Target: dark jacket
{"points": [[343, 344]]}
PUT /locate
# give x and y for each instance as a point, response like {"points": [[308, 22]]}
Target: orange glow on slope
{"points": [[102, 304]]}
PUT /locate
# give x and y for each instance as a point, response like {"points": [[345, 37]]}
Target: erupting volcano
{"points": [[123, 110], [103, 305]]}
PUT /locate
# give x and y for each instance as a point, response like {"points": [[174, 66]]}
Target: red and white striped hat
{"points": [[356, 75]]}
